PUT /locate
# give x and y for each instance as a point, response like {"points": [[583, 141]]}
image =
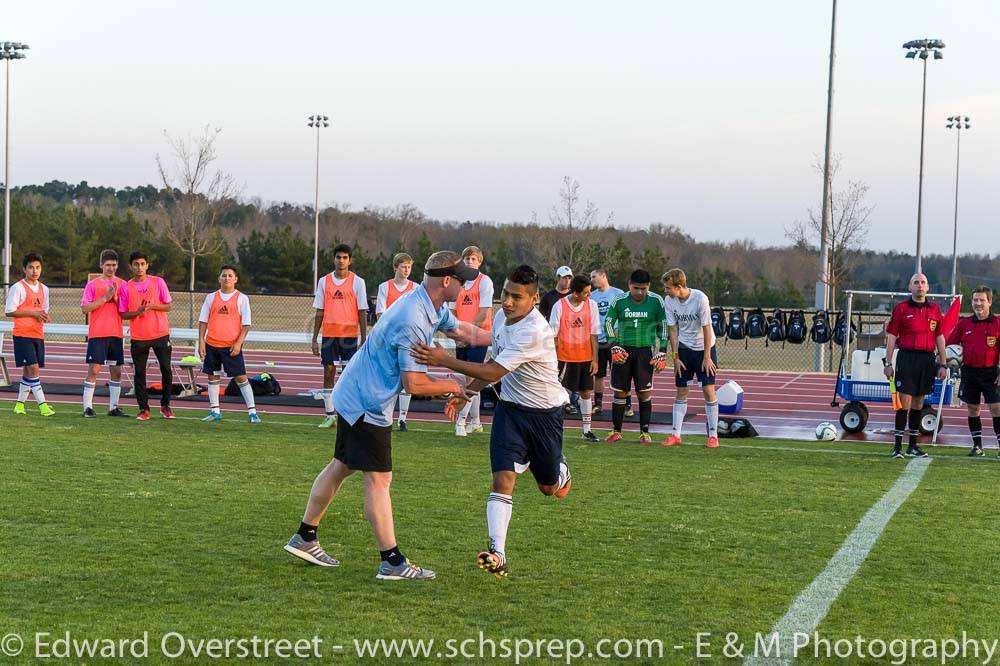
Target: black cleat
{"points": [[976, 452], [89, 413], [492, 562], [897, 452], [402, 426], [117, 412], [915, 452], [589, 436]]}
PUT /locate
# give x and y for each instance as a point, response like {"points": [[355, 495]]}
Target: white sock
{"points": [[88, 395], [36, 390], [564, 476], [115, 389], [498, 510], [247, 392], [22, 390], [213, 395], [712, 414], [586, 404], [404, 405], [474, 410], [328, 402], [680, 411], [464, 414]]}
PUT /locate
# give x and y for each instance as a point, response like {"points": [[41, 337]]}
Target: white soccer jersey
{"points": [[527, 350], [689, 316]]}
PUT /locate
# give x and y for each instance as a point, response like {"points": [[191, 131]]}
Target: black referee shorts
{"points": [[915, 372], [979, 385]]}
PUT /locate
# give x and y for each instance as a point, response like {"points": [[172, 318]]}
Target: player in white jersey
{"points": [[692, 340], [528, 423]]}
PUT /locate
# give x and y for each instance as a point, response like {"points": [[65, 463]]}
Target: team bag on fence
{"points": [[719, 322], [821, 333], [756, 324], [840, 330], [776, 327], [798, 331], [737, 328]]}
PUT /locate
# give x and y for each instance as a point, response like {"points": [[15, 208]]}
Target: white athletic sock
{"points": [[328, 402], [464, 414], [36, 390], [247, 392], [22, 390], [88, 395], [680, 411], [585, 415], [712, 414], [213, 395], [115, 389], [474, 410], [404, 405], [498, 510], [563, 474]]}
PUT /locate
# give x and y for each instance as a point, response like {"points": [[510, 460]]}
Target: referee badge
{"points": [[934, 324], [991, 341]]}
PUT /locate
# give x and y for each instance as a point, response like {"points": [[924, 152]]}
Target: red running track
{"points": [[784, 405]]}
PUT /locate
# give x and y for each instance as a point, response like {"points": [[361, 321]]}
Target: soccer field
{"points": [[115, 528]]}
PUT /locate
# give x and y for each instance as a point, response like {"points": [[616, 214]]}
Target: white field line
{"points": [[813, 603]]}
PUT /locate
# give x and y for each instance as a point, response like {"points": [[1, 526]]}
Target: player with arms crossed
{"points": [[105, 333], [28, 305], [364, 398], [635, 328], [388, 293], [576, 324], [692, 343], [979, 336], [527, 427]]}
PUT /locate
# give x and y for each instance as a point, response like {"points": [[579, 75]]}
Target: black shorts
{"points": [[471, 354], [603, 359], [523, 436], [29, 351], [219, 358], [106, 350], [363, 446], [337, 349], [692, 360], [979, 385], [575, 376], [915, 372], [635, 370]]}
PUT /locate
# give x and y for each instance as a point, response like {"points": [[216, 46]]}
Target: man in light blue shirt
{"points": [[364, 398], [603, 294]]}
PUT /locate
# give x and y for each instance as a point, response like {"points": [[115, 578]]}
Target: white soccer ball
{"points": [[826, 432], [953, 354]]}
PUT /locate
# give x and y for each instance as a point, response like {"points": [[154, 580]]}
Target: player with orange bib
{"points": [[389, 292], [576, 323], [146, 302], [341, 304], [28, 305], [474, 305], [105, 334], [222, 327]]}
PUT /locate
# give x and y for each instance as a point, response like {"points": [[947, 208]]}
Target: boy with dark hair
{"points": [[146, 301], [103, 306], [635, 328], [28, 305], [341, 305], [576, 324]]}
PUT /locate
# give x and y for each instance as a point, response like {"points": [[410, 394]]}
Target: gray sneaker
{"points": [[405, 571], [310, 551]]}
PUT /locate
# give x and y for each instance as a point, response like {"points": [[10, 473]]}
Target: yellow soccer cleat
{"points": [[45, 410]]}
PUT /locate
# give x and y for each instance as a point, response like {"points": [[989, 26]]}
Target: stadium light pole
{"points": [[8, 51], [923, 49], [958, 123], [823, 283], [318, 121]]}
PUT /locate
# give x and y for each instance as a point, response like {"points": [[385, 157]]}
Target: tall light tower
{"points": [[958, 123], [8, 51], [823, 283], [922, 48], [318, 121]]}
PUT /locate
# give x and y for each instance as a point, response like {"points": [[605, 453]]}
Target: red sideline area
{"points": [[782, 405]]}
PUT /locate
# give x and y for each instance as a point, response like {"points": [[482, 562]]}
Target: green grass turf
{"points": [[114, 527]]}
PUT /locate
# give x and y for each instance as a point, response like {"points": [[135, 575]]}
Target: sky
{"points": [[704, 115]]}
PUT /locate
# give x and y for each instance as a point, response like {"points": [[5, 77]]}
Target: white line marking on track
{"points": [[814, 602], [790, 381]]}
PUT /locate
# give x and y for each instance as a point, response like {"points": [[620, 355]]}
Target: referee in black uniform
{"points": [[915, 328]]}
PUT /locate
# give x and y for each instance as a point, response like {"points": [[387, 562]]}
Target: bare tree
{"points": [[197, 195], [850, 220], [572, 222]]}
